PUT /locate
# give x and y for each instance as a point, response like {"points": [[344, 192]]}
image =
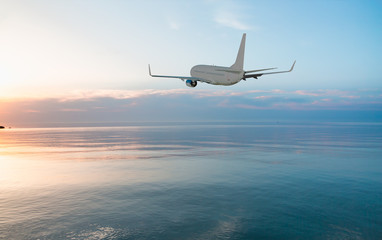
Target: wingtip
{"points": [[149, 70], [291, 69]]}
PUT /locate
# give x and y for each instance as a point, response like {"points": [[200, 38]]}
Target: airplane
{"points": [[218, 75]]}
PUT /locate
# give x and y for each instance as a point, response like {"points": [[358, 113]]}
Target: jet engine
{"points": [[191, 83]]}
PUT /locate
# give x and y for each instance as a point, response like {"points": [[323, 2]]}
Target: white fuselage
{"points": [[217, 75]]}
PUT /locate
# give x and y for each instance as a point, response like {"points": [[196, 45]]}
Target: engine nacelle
{"points": [[191, 83]]}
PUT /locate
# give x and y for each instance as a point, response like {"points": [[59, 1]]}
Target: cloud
{"points": [[31, 111], [230, 14], [90, 95], [351, 97], [308, 93], [320, 92], [174, 25], [231, 20], [263, 97], [72, 110], [186, 105]]}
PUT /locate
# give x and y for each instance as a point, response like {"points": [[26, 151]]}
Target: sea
{"points": [[192, 180]]}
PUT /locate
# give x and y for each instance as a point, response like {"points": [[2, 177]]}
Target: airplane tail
{"points": [[239, 63]]}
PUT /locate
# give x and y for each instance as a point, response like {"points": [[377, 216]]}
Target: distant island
{"points": [[1, 127]]}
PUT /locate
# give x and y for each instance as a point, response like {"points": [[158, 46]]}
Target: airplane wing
{"points": [[256, 75], [180, 77], [259, 70]]}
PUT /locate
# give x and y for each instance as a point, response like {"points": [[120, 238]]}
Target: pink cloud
{"points": [[247, 106], [263, 97], [132, 104], [351, 97], [320, 92], [72, 110], [307, 93], [223, 103], [32, 111], [270, 99]]}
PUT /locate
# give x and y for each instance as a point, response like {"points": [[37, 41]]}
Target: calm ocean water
{"points": [[192, 181]]}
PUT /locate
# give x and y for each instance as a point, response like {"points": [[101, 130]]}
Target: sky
{"points": [[81, 61]]}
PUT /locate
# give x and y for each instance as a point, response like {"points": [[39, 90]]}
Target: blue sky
{"points": [[63, 49]]}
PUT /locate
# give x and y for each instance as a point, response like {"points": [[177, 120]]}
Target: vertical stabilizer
{"points": [[239, 64]]}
